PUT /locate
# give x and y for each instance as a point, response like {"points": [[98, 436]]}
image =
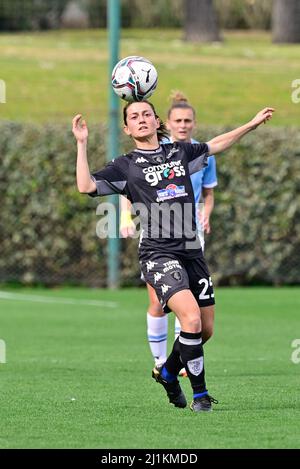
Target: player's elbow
{"points": [[214, 148], [82, 191], [85, 188], [81, 188], [211, 147]]}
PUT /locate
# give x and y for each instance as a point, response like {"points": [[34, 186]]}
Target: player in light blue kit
{"points": [[180, 123]]}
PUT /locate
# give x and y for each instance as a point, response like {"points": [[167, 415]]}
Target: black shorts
{"points": [[169, 274]]}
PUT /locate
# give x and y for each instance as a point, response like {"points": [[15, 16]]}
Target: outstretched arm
{"points": [[224, 141], [84, 181]]}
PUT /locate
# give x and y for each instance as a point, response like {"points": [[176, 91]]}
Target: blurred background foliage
{"points": [[48, 229], [18, 15]]}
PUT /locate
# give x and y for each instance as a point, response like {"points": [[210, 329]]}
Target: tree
{"points": [[200, 22], [286, 21]]}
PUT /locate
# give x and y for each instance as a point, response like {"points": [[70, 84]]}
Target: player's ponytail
{"points": [[179, 101], [177, 97]]}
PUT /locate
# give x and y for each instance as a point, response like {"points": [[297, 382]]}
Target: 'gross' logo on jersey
{"points": [[154, 174]]}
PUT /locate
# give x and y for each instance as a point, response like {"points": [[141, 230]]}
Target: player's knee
{"points": [[155, 309], [192, 323]]}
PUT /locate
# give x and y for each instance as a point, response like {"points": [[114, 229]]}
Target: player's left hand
{"points": [[206, 225], [262, 116], [204, 221]]}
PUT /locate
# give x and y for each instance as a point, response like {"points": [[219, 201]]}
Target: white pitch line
{"points": [[63, 301]]}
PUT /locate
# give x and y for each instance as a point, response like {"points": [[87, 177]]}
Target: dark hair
{"points": [[162, 131], [179, 101]]}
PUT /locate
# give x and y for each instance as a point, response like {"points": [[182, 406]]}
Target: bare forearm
{"points": [[208, 199], [84, 181], [224, 141]]}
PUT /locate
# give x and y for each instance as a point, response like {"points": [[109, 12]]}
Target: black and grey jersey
{"points": [[158, 184]]}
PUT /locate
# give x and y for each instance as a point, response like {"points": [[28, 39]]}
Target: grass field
{"points": [[50, 76], [78, 373]]}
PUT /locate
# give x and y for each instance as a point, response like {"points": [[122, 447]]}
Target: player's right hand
{"points": [[127, 232], [127, 227], [79, 129]]}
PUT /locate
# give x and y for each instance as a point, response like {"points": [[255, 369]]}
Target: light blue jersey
{"points": [[206, 178]]}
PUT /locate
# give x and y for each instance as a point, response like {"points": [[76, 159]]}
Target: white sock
{"points": [[157, 332], [177, 328]]}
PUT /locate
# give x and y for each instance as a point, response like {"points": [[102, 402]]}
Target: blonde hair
{"points": [[179, 101]]}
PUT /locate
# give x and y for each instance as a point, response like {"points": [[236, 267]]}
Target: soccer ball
{"points": [[134, 78]]}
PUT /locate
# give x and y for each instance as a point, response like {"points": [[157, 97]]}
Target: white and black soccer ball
{"points": [[134, 78]]}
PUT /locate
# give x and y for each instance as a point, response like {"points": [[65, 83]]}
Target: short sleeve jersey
{"points": [[206, 178], [158, 183]]}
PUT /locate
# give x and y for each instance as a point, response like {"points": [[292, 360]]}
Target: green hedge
{"points": [[256, 221], [47, 229]]}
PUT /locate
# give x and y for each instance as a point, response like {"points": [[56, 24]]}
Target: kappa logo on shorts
{"points": [[176, 275], [150, 265], [158, 276], [165, 288], [195, 366]]}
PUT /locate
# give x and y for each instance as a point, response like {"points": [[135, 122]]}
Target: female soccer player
{"points": [[180, 123], [157, 177]]}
